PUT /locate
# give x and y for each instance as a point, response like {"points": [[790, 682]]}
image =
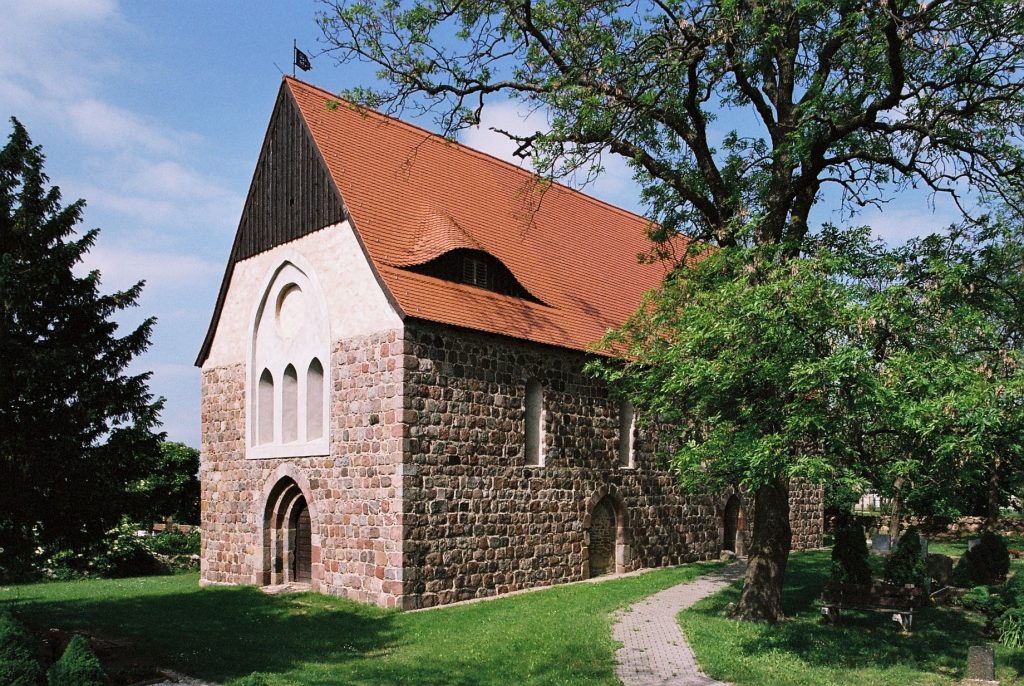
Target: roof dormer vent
{"points": [[474, 268], [474, 271]]}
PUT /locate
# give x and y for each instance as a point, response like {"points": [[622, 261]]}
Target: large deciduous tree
{"points": [[736, 116], [76, 430]]}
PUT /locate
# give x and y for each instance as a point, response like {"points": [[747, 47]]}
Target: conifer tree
{"points": [[75, 427]]}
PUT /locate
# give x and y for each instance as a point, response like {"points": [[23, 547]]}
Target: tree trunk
{"points": [[992, 515], [896, 513], [761, 600]]}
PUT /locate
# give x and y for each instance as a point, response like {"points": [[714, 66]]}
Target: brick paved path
{"points": [[654, 651]]}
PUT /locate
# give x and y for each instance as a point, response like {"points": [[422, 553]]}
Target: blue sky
{"points": [[154, 113]]}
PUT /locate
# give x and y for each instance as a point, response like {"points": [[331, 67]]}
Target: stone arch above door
{"points": [[287, 511], [605, 526]]}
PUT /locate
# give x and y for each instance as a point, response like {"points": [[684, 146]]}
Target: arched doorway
{"points": [[302, 552], [733, 525], [288, 536], [606, 549]]}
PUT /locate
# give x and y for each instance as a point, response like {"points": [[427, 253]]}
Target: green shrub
{"points": [[254, 679], [986, 563], [19, 664], [850, 555], [980, 599], [124, 553], [78, 666], [905, 565], [1010, 626], [174, 542], [1012, 592]]}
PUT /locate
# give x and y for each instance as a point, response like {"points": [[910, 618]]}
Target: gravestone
{"points": [[940, 568], [880, 544], [971, 542], [981, 666]]}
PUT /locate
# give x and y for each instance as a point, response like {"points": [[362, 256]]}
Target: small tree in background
{"points": [[906, 564], [77, 429], [986, 563], [171, 490], [850, 555]]}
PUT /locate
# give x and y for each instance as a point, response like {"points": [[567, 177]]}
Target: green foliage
{"points": [[850, 555], [171, 489], [986, 563], [254, 679], [174, 542], [862, 648], [1010, 626], [835, 95], [78, 666], [981, 600], [19, 663], [1012, 592], [124, 553], [850, 367], [905, 564], [78, 430]]}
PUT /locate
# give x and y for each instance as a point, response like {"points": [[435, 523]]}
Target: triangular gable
{"points": [[291, 195]]}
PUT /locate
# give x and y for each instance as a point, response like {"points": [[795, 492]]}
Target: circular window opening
{"points": [[289, 310]]}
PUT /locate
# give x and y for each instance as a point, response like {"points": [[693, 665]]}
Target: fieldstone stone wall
{"points": [[479, 521], [425, 497], [807, 514], [354, 493]]}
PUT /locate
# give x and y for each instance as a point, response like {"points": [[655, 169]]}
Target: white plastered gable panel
{"points": [[288, 306], [287, 396], [355, 301]]}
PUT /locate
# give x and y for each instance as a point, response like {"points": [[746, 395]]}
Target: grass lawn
{"points": [[864, 648], [556, 636]]}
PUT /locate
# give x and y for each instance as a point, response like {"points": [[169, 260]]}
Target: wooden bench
{"points": [[898, 601]]}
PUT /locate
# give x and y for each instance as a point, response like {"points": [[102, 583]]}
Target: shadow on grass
{"points": [[938, 643], [557, 636], [222, 634]]}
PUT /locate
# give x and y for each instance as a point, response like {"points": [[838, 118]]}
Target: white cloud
{"points": [[106, 126], [163, 272], [59, 11]]}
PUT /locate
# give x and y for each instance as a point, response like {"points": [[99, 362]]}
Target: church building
{"points": [[393, 403]]}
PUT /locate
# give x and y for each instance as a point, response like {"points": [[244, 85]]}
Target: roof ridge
{"points": [[463, 147]]}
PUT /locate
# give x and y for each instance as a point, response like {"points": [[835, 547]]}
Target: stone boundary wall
{"points": [[354, 493], [807, 514], [479, 521], [943, 526]]}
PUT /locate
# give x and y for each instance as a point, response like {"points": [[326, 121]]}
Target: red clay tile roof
{"points": [[413, 196]]}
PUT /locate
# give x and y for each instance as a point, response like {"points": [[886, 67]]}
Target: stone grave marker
{"points": [[880, 544], [981, 666]]}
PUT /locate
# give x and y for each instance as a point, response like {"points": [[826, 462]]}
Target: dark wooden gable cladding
{"points": [[291, 195]]}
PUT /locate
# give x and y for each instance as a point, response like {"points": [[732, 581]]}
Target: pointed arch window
{"points": [[290, 405], [534, 429], [315, 400], [627, 433], [265, 408]]}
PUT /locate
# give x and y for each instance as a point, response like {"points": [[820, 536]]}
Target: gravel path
{"points": [[654, 651]]}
